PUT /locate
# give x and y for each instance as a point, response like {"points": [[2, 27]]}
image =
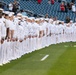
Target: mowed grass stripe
{"points": [[30, 64], [66, 64]]}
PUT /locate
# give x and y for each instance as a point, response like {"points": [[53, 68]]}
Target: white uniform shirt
{"points": [[68, 29], [7, 23], [53, 27], [12, 25], [3, 28]]}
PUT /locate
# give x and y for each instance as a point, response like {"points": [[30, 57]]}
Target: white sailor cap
{"points": [[46, 19], [19, 14], [37, 19], [1, 9], [6, 12], [24, 16], [71, 21], [11, 13], [41, 18], [31, 18]]}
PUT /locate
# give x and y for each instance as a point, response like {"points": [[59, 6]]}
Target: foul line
{"points": [[44, 57]]}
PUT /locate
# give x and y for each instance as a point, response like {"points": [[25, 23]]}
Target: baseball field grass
{"points": [[61, 60]]}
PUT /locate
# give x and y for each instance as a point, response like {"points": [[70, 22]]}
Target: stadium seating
{"points": [[44, 8]]}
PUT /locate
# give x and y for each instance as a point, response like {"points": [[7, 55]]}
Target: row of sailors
{"points": [[20, 35]]}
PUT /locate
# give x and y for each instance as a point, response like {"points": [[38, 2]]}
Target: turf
{"points": [[61, 61]]}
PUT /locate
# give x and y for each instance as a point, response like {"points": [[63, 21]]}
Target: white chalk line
{"points": [[45, 57]]}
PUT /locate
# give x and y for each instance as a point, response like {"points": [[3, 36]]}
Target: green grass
{"points": [[61, 61]]}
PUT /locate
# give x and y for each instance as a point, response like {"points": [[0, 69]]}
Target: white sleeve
{"points": [[7, 23], [0, 31]]}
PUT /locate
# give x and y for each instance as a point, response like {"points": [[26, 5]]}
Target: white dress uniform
{"points": [[26, 42], [12, 26], [53, 37], [20, 37], [43, 29], [15, 44], [37, 33], [46, 30], [50, 42], [57, 33], [61, 28], [16, 27], [48, 39], [73, 36], [7, 23], [40, 39], [7, 50], [68, 32], [3, 29], [3, 46], [30, 34], [71, 33], [64, 34], [24, 34], [34, 36], [0, 45]]}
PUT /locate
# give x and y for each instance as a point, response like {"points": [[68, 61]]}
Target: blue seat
{"points": [[44, 8]]}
